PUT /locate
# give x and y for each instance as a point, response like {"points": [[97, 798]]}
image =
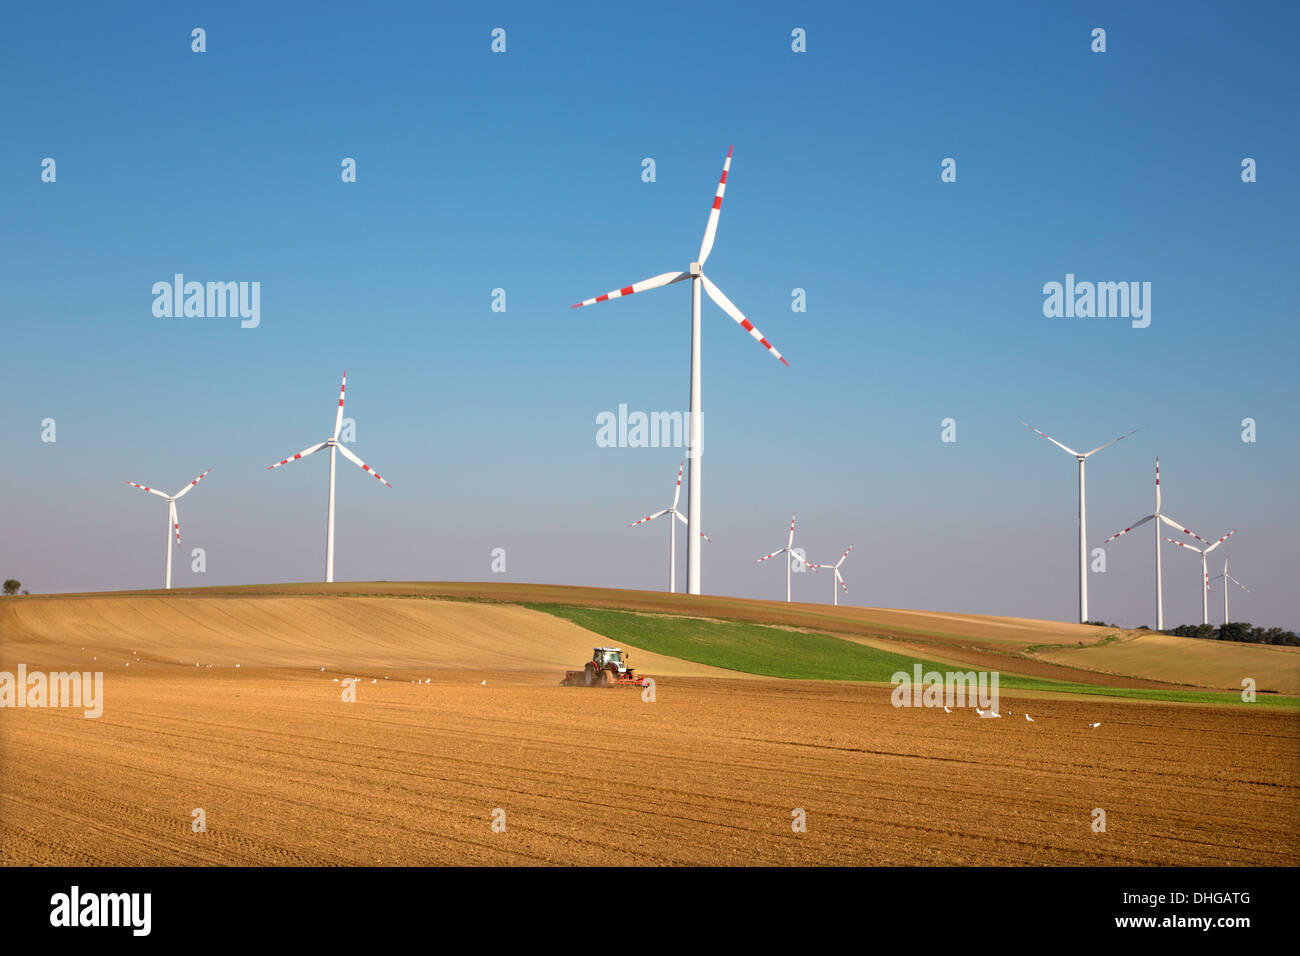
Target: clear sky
{"points": [[523, 171]]}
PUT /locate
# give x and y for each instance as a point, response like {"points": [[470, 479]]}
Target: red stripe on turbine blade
{"points": [[717, 202], [626, 290], [747, 325], [724, 177], [602, 298], [784, 362]]}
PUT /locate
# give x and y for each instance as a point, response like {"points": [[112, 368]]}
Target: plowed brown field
{"points": [[288, 773]]}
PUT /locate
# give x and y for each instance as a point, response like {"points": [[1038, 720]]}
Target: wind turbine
{"points": [[1160, 600], [673, 513], [1083, 513], [333, 445], [173, 522], [1205, 571], [788, 551], [695, 444], [836, 576], [1226, 578]]}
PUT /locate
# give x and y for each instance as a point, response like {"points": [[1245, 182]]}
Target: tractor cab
{"points": [[604, 656]]}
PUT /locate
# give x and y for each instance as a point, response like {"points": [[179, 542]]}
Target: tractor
{"points": [[608, 667]]}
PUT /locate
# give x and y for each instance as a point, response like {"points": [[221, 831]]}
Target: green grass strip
{"points": [[798, 655]]}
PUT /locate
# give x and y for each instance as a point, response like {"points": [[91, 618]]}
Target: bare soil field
{"points": [[1187, 660], [980, 641], [286, 772]]}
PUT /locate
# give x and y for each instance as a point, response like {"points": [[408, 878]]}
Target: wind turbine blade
{"points": [[1174, 524], [343, 449], [176, 521], [843, 556], [1221, 540], [706, 537], [772, 555], [338, 417], [1048, 437], [667, 278], [678, 493], [728, 307], [711, 229], [1128, 529], [1112, 441], [681, 517], [302, 454], [1238, 583], [1157, 484], [840, 578], [152, 491], [790, 543], [648, 518], [1184, 544], [184, 491]]}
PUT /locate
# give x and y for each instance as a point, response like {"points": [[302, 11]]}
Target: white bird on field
{"points": [[482, 683], [947, 711], [1028, 718], [1097, 724]]}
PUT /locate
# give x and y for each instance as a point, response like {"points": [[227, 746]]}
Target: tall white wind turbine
{"points": [[1081, 457], [1226, 578], [673, 515], [788, 551], [1157, 517], [835, 577], [332, 443], [695, 445], [1205, 571], [173, 521]]}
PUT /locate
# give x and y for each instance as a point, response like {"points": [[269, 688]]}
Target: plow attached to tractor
{"points": [[608, 667]]}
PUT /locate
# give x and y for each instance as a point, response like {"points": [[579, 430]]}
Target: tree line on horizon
{"points": [[1241, 632]]}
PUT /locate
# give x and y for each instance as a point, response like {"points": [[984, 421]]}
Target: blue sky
{"points": [[522, 171]]}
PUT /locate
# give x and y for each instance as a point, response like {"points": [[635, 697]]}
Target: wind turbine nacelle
{"points": [[695, 270]]}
